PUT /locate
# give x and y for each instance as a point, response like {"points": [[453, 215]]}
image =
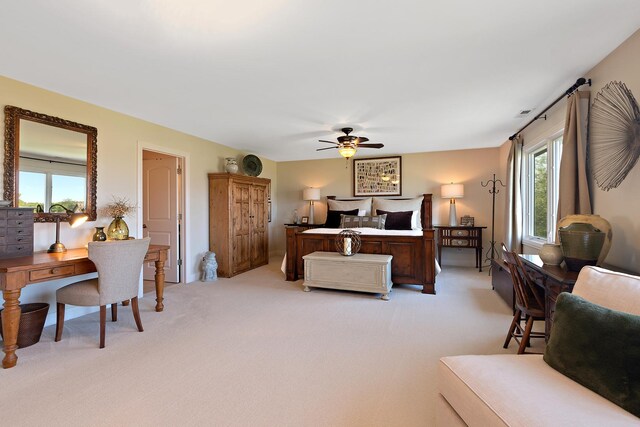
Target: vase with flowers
{"points": [[118, 209]]}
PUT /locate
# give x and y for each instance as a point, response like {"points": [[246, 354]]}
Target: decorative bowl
{"points": [[252, 165]]}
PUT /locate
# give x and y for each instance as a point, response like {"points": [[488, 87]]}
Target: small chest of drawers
{"points": [[16, 232], [460, 237]]}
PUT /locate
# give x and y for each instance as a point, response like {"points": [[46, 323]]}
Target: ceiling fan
{"points": [[347, 145]]}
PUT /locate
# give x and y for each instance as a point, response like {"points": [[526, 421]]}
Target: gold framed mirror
{"points": [[49, 161]]}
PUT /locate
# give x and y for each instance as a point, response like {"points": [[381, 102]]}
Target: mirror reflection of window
{"points": [[33, 189], [68, 191], [60, 156]]}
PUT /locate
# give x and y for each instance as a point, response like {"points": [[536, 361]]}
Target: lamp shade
{"points": [[347, 151], [75, 219], [452, 191], [311, 194]]}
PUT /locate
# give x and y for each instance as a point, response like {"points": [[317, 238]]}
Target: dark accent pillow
{"points": [[396, 220], [333, 217], [354, 221], [598, 348]]}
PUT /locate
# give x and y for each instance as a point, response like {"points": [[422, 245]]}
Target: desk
{"points": [[553, 279], [16, 273]]}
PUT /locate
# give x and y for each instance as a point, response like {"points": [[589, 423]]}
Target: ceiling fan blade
{"points": [[377, 145], [362, 139], [329, 142], [328, 148]]}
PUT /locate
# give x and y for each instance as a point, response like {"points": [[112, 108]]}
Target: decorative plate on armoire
{"points": [[252, 165]]}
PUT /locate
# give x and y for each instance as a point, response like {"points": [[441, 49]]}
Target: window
{"points": [[542, 167], [46, 183]]}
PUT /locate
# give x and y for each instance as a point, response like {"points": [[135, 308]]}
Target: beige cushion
{"points": [[352, 221], [347, 205], [446, 416], [522, 390], [616, 291], [84, 293], [389, 205]]}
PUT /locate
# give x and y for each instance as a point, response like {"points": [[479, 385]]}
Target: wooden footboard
{"points": [[413, 256]]}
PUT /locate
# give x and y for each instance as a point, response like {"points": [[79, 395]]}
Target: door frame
{"points": [[186, 225]]}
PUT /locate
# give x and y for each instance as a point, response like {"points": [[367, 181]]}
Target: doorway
{"points": [[163, 201]]}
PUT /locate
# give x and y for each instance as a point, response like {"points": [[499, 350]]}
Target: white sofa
{"points": [[522, 390]]}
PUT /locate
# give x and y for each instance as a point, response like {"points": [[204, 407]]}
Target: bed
{"points": [[413, 252]]}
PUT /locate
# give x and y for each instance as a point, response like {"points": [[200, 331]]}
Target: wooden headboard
{"points": [[426, 211]]}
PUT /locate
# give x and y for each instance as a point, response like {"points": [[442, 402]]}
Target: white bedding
{"points": [[366, 230]]}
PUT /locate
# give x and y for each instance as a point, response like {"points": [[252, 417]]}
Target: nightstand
{"points": [[304, 226], [460, 237]]}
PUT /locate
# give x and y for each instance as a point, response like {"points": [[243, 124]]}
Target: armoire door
{"points": [[241, 228], [259, 225]]}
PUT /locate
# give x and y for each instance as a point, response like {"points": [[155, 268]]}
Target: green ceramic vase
{"points": [[581, 244], [99, 235], [118, 230]]}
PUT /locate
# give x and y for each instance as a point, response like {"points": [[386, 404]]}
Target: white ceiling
{"points": [[271, 77]]}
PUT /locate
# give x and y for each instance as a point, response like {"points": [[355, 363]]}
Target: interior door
{"points": [[160, 211], [241, 197]]}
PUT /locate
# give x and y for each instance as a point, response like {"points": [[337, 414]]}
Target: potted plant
{"points": [[118, 209]]}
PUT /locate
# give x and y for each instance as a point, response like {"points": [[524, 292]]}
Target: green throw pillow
{"points": [[598, 348]]}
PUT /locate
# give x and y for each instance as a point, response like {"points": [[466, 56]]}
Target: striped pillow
{"points": [[352, 221]]}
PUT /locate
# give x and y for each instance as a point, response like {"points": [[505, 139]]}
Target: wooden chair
{"points": [[529, 302], [119, 264]]}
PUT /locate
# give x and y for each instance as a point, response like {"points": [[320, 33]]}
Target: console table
{"points": [[460, 237], [16, 273]]}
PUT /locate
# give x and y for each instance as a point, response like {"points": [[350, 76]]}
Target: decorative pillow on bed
{"points": [[598, 348], [390, 205], [397, 220], [350, 221], [333, 217], [347, 205]]}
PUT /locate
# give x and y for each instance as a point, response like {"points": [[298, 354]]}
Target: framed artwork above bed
{"points": [[381, 176]]}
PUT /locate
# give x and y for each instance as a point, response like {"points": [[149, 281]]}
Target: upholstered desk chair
{"points": [[119, 264], [529, 302]]}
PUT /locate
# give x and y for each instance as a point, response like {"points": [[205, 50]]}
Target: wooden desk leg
{"points": [[10, 325], [159, 285]]}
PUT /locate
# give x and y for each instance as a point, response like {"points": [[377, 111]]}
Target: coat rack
{"points": [[491, 253]]}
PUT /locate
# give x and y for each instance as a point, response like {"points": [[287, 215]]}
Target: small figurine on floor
{"points": [[209, 267]]}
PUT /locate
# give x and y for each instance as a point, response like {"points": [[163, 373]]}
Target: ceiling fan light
{"points": [[347, 151], [385, 178]]}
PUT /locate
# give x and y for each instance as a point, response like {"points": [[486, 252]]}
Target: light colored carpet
{"points": [[256, 350]]}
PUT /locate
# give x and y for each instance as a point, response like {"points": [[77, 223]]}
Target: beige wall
{"points": [[118, 138], [619, 205], [421, 173]]}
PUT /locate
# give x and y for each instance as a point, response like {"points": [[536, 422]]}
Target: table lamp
{"points": [[452, 191], [311, 194], [74, 220]]}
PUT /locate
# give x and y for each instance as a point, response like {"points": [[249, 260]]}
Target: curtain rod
{"points": [[581, 81]]}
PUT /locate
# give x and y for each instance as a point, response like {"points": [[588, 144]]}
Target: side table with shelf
{"points": [[460, 237], [304, 226]]}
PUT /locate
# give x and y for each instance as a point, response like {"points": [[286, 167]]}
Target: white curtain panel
{"points": [[513, 222]]}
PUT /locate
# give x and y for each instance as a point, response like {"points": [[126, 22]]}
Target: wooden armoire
{"points": [[238, 222]]}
